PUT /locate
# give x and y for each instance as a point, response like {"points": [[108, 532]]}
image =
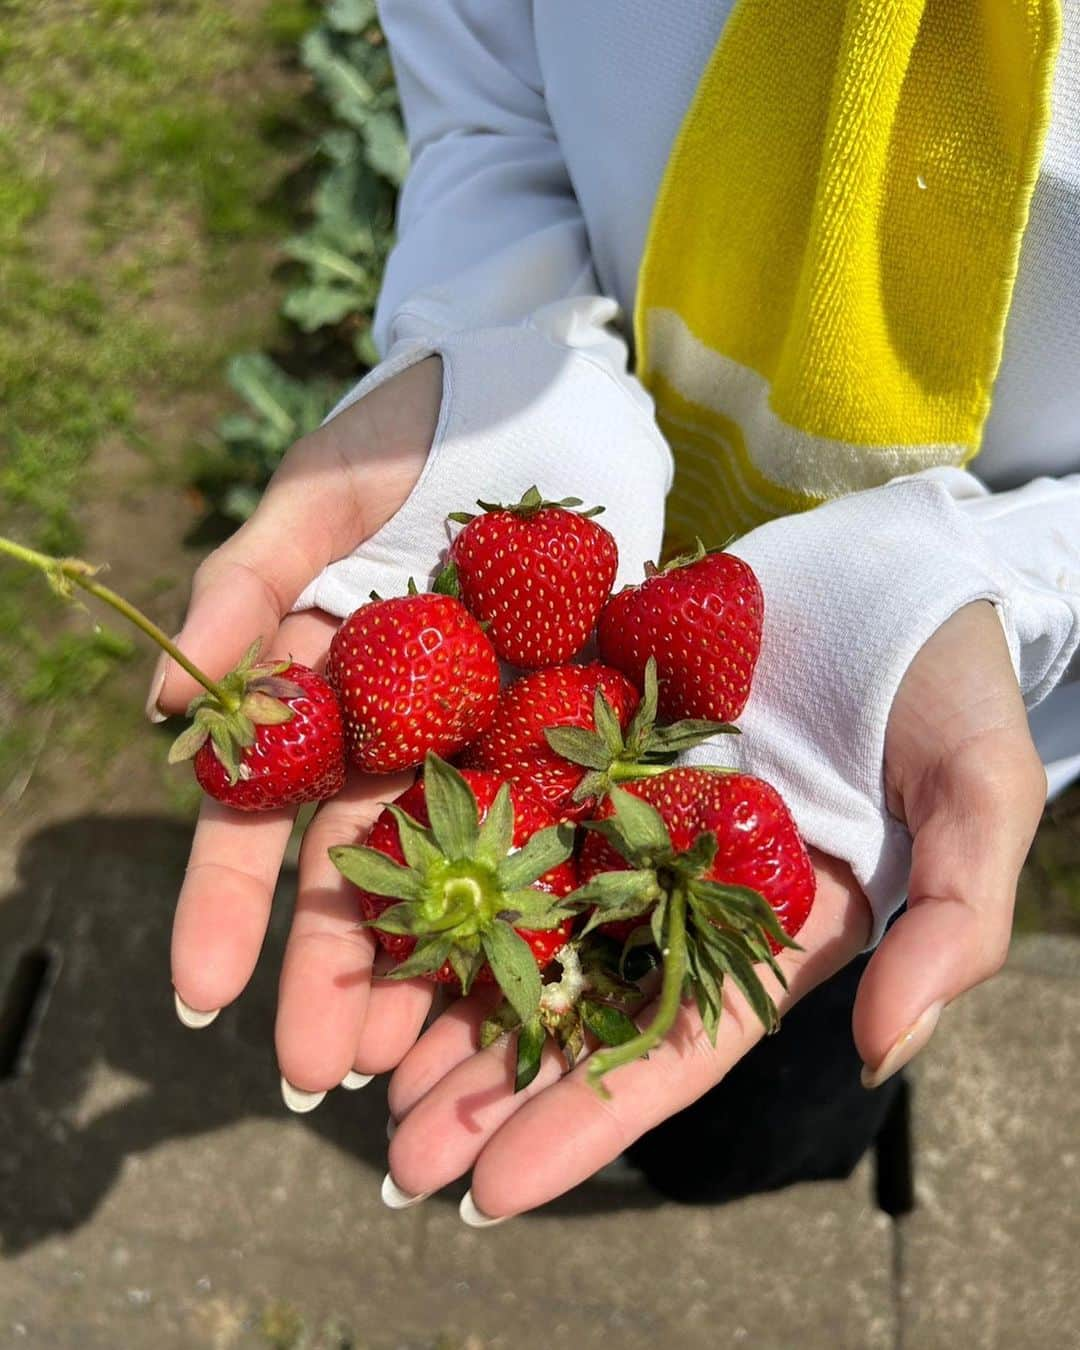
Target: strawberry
{"points": [[414, 674], [461, 880], [265, 736], [700, 617], [537, 573], [281, 746], [516, 747], [714, 865]]}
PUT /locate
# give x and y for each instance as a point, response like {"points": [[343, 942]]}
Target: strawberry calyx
{"points": [[695, 555], [532, 503], [590, 995], [464, 888], [613, 756], [705, 931], [250, 696]]}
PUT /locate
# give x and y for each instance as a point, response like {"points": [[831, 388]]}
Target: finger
{"points": [[326, 973], [567, 1131], [393, 1019], [333, 489], [450, 1040], [228, 888], [968, 847]]}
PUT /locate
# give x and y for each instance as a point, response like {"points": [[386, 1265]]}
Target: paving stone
{"points": [[156, 1194], [989, 1257]]}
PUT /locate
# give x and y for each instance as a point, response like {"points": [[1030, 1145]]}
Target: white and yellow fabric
{"points": [[831, 257], [777, 326]]}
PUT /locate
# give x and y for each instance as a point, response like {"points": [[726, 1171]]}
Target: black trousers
{"points": [[793, 1109]]}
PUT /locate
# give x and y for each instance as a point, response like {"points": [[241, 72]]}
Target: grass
{"points": [[139, 144]]}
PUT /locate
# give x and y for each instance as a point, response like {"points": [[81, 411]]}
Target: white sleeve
{"points": [[852, 591], [492, 272]]}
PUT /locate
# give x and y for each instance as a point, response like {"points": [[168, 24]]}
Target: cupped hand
{"points": [[334, 489], [964, 776]]}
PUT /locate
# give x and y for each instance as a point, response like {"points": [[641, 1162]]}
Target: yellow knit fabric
{"points": [[831, 257]]}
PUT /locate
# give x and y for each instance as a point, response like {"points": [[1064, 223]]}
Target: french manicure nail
{"points": [[393, 1197], [296, 1099], [353, 1080], [904, 1048], [192, 1017], [157, 681], [474, 1217]]}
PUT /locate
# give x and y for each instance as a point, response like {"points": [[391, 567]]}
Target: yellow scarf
{"points": [[831, 257]]}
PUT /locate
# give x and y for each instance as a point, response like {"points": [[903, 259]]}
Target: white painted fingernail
{"points": [[393, 1197], [391, 1127], [157, 681], [192, 1017], [296, 1099], [904, 1048], [354, 1080], [474, 1217]]}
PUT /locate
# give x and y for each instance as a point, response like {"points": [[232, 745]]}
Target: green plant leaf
{"points": [[496, 830], [641, 824], [428, 955], [451, 809], [607, 727], [417, 842], [514, 967], [530, 1049], [610, 1025], [579, 746], [375, 872], [545, 850]]}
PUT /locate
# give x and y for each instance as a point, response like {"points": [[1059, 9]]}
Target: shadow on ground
{"points": [[101, 1070]]}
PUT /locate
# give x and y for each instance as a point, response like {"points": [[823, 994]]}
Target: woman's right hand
{"points": [[334, 489]]}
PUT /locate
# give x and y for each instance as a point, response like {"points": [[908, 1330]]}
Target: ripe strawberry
{"points": [[461, 852], [287, 760], [414, 674], [537, 573], [515, 745], [715, 866], [266, 735], [700, 617]]}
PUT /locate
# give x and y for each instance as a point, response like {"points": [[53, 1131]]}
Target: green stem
{"points": [[667, 1008], [80, 574], [621, 772]]}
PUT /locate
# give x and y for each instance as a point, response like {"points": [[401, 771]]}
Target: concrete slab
{"points": [[156, 1194], [989, 1257]]}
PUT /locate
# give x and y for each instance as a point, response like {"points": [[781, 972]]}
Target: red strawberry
{"points": [[447, 863], [701, 618], [714, 864], [758, 843], [537, 573], [414, 674], [293, 760], [516, 747]]}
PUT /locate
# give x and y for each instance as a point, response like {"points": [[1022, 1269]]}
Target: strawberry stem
{"points": [[63, 572], [621, 772], [667, 1008]]}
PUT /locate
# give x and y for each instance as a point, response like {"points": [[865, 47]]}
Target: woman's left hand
{"points": [[962, 773]]}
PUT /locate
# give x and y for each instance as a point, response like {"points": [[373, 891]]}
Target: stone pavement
{"points": [[154, 1192]]}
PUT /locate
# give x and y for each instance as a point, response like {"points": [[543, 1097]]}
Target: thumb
{"points": [[332, 491], [969, 843]]}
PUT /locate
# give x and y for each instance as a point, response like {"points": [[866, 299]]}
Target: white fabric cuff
{"points": [[520, 406], [852, 591]]}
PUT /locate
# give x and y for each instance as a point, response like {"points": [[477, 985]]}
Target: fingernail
{"points": [[391, 1127], [192, 1017], [157, 680], [393, 1197], [474, 1217], [904, 1048], [296, 1099], [354, 1080]]}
